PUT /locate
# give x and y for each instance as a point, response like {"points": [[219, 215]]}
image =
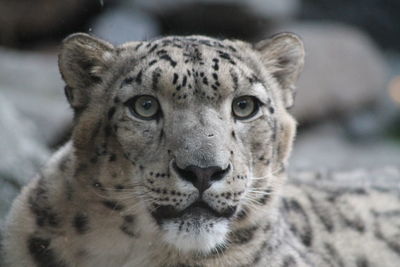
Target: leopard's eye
{"points": [[144, 107], [245, 107]]}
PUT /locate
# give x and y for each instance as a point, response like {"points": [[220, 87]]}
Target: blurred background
{"points": [[348, 100]]}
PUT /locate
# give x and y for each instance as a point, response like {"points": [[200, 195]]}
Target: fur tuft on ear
{"points": [[283, 55], [82, 61]]}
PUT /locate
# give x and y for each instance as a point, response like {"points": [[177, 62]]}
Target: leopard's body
{"points": [[196, 185]]}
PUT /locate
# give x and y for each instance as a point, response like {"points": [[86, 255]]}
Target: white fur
{"points": [[197, 239]]}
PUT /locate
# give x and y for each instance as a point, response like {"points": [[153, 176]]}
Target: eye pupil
{"points": [[147, 104], [242, 104]]}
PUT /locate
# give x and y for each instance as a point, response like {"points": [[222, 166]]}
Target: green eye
{"points": [[144, 107], [245, 107]]}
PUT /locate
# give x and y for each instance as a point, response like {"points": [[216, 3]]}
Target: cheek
{"points": [[138, 140]]}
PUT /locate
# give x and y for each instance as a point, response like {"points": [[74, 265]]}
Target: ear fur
{"points": [[283, 55], [82, 61]]}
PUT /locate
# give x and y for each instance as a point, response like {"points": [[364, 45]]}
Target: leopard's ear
{"points": [[82, 61], [283, 55]]}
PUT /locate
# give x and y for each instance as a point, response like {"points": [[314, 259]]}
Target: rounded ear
{"points": [[82, 61], [283, 55]]}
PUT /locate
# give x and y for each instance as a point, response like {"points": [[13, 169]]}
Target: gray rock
{"points": [[31, 81], [21, 153], [327, 147], [272, 9], [23, 22], [343, 72], [125, 24]]}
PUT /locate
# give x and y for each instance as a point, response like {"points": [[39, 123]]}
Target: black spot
{"points": [[138, 46], [152, 62], [233, 134], [40, 207], [243, 236], [112, 205], [226, 56], [232, 48], [266, 196], [110, 113], [129, 218], [162, 51], [300, 227], [362, 262], [205, 81], [126, 230], [42, 254], [169, 59], [235, 79], [175, 78], [155, 78], [139, 77], [215, 76], [113, 157], [184, 81], [271, 110], [153, 48], [335, 256], [81, 223], [289, 261], [126, 81], [322, 213]]}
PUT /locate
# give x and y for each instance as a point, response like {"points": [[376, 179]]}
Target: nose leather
{"points": [[202, 178]]}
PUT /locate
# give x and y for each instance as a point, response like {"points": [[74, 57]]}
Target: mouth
{"points": [[198, 209]]}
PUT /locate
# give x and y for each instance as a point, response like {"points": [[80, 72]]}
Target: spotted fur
{"points": [[118, 193]]}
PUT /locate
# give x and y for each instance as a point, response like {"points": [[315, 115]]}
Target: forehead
{"points": [[185, 68]]}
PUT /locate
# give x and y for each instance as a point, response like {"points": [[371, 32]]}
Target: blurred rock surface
{"points": [[344, 71], [31, 81], [379, 18], [219, 18], [124, 24], [22, 153], [274, 9], [328, 147], [23, 22]]}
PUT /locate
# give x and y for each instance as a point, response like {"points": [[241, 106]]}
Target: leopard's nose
{"points": [[201, 178]]}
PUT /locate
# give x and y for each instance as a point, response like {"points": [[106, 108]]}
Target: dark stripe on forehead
{"points": [[235, 79], [155, 77]]}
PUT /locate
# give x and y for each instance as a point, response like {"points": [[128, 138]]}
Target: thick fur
{"points": [[94, 202]]}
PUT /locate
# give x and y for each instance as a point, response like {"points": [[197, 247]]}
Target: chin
{"points": [[195, 234]]}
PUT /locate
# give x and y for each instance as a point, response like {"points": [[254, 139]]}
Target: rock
{"points": [[222, 18], [33, 83], [124, 24], [344, 71], [22, 153], [23, 22], [272, 9], [327, 147], [379, 18]]}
